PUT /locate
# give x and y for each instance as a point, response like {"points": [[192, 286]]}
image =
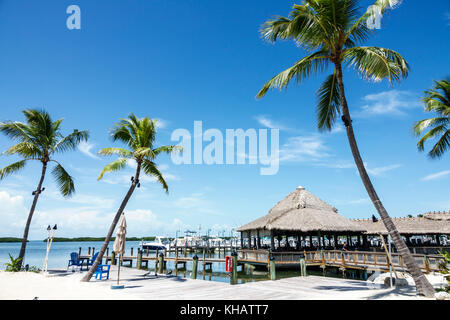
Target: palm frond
{"points": [[376, 64], [12, 168], [359, 30], [116, 165], [150, 168], [329, 102], [71, 141], [63, 180], [25, 149], [167, 150], [118, 151], [305, 67]]}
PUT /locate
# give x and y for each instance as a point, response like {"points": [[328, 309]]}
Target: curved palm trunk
{"points": [[91, 271], [423, 285], [30, 215]]}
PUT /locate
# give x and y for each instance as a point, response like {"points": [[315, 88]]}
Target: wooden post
{"points": [[156, 260], [233, 278], [273, 272], [113, 258], [161, 263], [131, 253], [302, 266], [89, 251], [194, 267], [139, 259]]}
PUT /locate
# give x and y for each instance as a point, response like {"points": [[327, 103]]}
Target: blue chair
{"points": [[90, 262], [74, 261], [101, 270]]}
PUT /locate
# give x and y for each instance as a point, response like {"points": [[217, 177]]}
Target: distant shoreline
{"points": [[80, 239], [10, 240]]}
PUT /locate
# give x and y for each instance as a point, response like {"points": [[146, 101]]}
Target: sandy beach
{"points": [[139, 285]]}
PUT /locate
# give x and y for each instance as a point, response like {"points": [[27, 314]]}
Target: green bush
{"points": [[14, 265]]}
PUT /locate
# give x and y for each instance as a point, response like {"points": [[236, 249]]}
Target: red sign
{"points": [[229, 264]]}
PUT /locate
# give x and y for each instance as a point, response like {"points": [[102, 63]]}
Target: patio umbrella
{"points": [[119, 243]]}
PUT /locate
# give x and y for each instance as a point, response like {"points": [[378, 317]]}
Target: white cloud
{"points": [[435, 176], [303, 148], [269, 123], [378, 171], [392, 102], [85, 148]]}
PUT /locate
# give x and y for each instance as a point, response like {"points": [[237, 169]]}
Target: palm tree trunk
{"points": [[423, 285], [30, 215], [91, 271]]}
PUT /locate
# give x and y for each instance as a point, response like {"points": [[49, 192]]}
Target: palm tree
{"points": [[139, 136], [333, 30], [436, 100], [39, 139]]}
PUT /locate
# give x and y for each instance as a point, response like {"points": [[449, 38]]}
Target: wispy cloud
{"points": [[447, 18], [85, 148], [392, 102], [435, 176], [269, 123], [379, 171], [303, 148]]}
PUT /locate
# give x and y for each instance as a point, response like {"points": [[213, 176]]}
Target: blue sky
{"points": [[182, 61]]}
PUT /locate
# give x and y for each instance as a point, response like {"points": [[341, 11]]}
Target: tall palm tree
{"points": [[139, 135], [437, 100], [333, 30], [39, 139]]}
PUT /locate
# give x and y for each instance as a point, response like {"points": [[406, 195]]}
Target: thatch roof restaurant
{"points": [[304, 221], [301, 219]]}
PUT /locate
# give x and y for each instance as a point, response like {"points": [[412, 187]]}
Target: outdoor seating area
{"points": [[84, 263]]}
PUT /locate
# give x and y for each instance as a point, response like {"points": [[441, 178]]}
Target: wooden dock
{"points": [[353, 260]]}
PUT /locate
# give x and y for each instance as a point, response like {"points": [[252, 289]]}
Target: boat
{"points": [[160, 243]]}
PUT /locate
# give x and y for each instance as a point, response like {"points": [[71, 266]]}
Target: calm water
{"points": [[60, 254]]}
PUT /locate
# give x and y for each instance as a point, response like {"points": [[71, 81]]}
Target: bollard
{"points": [[194, 267], [161, 263], [113, 258], [273, 272], [234, 271], [139, 260]]}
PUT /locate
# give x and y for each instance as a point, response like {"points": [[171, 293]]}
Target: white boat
{"points": [[160, 243]]}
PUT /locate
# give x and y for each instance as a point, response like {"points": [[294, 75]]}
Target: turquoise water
{"points": [[60, 254]]}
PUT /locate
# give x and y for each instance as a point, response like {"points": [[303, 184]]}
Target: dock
{"points": [[343, 260]]}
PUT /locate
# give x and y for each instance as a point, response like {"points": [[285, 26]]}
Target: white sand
{"points": [[67, 286]]}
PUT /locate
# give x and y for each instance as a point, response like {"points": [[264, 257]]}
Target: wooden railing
{"points": [[338, 258]]}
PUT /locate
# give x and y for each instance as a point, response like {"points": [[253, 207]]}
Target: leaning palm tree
{"points": [[437, 100], [333, 31], [139, 136], [39, 139]]}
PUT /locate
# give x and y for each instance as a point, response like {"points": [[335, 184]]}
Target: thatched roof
{"points": [[303, 212], [430, 223]]}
